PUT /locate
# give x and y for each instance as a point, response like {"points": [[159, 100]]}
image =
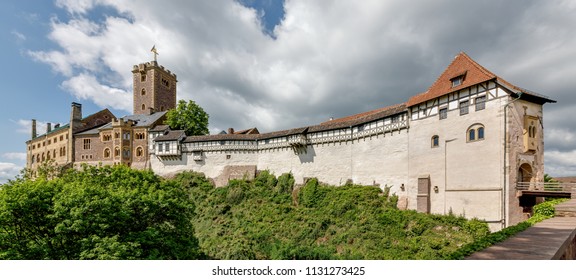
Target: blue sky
{"points": [[275, 64]]}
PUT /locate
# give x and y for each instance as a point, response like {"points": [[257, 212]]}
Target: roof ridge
{"points": [[480, 67]]}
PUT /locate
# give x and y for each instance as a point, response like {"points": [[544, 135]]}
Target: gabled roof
{"points": [[462, 66], [471, 73], [248, 131]]}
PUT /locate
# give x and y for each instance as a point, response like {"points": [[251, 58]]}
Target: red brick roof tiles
{"points": [[462, 64]]}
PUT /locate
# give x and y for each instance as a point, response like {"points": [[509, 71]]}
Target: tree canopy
{"points": [[97, 213], [188, 116]]}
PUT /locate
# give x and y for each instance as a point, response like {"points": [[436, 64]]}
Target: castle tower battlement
{"points": [[154, 88]]}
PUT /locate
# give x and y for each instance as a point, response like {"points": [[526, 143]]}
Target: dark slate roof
{"points": [[145, 120], [140, 121], [172, 135], [160, 128], [95, 130]]}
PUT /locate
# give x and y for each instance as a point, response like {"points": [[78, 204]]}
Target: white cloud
{"points": [[86, 87], [559, 163], [8, 171], [76, 6], [25, 127], [329, 58]]}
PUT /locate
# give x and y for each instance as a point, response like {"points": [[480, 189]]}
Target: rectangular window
{"points": [[167, 147], [86, 144], [395, 119], [480, 103], [443, 113], [463, 107], [160, 147]]}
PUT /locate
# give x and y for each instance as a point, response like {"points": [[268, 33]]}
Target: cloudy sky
{"points": [[277, 64]]}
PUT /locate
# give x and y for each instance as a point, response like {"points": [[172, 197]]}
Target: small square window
{"points": [[443, 113], [457, 81], [228, 156]]}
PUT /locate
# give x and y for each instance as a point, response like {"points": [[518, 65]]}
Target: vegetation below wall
{"points": [[265, 219], [119, 213]]}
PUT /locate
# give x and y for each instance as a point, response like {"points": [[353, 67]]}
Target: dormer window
{"points": [[458, 79]]}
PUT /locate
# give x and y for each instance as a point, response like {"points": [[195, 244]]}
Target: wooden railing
{"points": [[549, 186]]}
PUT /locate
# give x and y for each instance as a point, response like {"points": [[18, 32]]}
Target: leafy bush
{"points": [[285, 183], [97, 213]]}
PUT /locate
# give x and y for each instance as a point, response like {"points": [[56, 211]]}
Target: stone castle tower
{"points": [[154, 88]]}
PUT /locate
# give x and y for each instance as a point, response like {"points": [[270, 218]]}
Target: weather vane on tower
{"points": [[153, 50]]}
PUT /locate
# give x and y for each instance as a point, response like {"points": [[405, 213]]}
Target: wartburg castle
{"points": [[460, 147]]}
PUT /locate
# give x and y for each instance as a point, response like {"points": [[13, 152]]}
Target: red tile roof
{"points": [[473, 73], [462, 65], [361, 118]]}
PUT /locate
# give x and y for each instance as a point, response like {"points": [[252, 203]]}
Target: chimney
{"points": [[76, 116], [48, 128], [76, 113], [34, 134], [231, 130]]}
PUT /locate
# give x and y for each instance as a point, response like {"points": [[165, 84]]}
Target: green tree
{"points": [[188, 117], [549, 179], [97, 213]]}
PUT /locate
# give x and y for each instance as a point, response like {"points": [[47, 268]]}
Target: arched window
{"points": [[143, 91], [117, 152], [143, 107], [475, 133], [106, 153], [139, 152], [435, 141], [126, 153]]}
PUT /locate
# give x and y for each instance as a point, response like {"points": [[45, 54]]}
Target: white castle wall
{"points": [[468, 175]]}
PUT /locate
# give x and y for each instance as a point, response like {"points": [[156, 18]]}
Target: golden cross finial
{"points": [[153, 50]]}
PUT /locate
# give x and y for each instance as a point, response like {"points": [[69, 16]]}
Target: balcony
{"points": [[549, 189]]}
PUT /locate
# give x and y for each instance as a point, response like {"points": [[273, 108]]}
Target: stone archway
{"points": [[524, 173], [523, 179]]}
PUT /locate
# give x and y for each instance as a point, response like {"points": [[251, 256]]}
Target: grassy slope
{"points": [[264, 219]]}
